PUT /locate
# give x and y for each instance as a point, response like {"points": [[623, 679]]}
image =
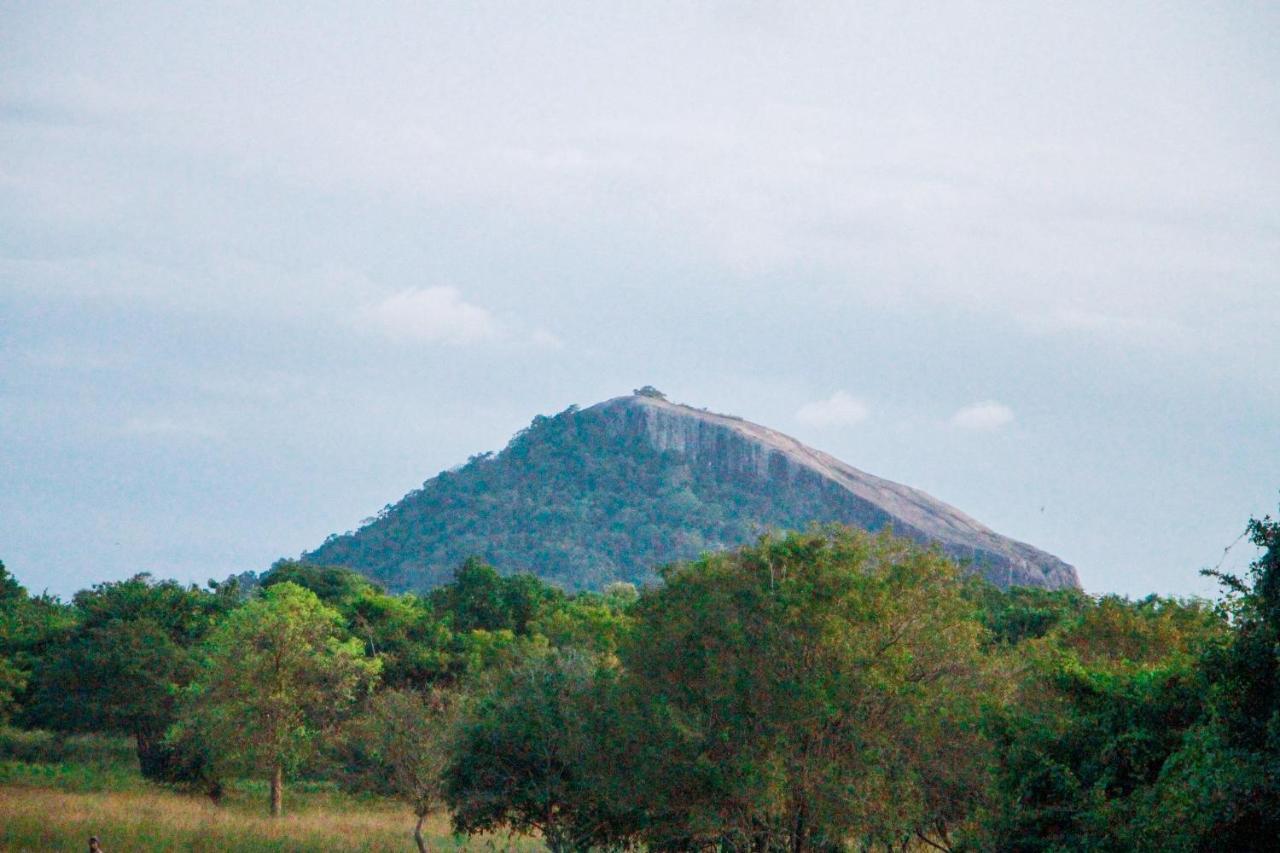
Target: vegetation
{"points": [[120, 662], [527, 760], [276, 678], [407, 740], [808, 691], [580, 500], [57, 790], [818, 691]]}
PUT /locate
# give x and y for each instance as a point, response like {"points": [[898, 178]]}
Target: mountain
{"points": [[611, 492]]}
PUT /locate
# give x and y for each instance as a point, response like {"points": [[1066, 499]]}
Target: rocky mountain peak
{"points": [[614, 490]]}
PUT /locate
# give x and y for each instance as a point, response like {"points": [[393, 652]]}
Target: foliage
{"points": [[121, 666], [590, 621], [29, 626], [1229, 778], [805, 693], [478, 621], [334, 585], [34, 755], [277, 675], [415, 646], [403, 742], [481, 599], [1024, 613], [1106, 697], [580, 500], [526, 752], [404, 632], [814, 691]]}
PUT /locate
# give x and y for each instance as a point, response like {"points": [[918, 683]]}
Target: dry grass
{"points": [[56, 791], [44, 819]]}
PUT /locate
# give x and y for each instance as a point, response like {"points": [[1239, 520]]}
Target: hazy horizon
{"points": [[263, 271]]}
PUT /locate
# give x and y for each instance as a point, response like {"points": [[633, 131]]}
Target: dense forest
{"points": [[566, 499], [816, 691]]}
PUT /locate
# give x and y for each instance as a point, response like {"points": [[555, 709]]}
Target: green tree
{"points": [[13, 676], [413, 641], [415, 645], [278, 675], [334, 585], [1024, 613], [1236, 774], [808, 692], [121, 666], [1103, 701], [478, 598], [401, 746], [526, 754], [590, 621]]}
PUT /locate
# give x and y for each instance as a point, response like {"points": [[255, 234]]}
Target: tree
{"points": [[1024, 612], [334, 585], [278, 674], [121, 666], [525, 754], [412, 641], [806, 693], [1103, 701], [1239, 771], [405, 741], [14, 643], [590, 621], [478, 598]]}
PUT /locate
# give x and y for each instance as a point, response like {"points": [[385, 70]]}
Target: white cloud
{"points": [[987, 415], [840, 409], [434, 315]]}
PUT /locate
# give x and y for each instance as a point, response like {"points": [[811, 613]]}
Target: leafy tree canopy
{"points": [[807, 692], [119, 669], [278, 673]]}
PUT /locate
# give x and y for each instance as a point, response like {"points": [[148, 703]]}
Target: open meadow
{"points": [[55, 793]]}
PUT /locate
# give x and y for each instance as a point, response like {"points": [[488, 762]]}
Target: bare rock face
{"points": [[617, 490], [734, 446]]}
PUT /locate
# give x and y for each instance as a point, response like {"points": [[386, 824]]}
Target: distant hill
{"points": [[612, 492]]}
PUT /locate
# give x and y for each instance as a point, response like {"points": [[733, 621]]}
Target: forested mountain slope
{"points": [[614, 491]]}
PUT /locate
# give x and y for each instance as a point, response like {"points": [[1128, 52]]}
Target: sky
{"points": [[264, 268]]}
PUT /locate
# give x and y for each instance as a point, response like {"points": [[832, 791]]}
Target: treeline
{"points": [[828, 690]]}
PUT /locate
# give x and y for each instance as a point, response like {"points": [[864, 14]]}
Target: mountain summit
{"points": [[611, 492]]}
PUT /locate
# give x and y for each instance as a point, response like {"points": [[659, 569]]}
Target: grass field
{"points": [[55, 793]]}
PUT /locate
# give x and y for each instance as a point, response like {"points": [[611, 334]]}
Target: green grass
{"points": [[79, 763], [91, 749]]}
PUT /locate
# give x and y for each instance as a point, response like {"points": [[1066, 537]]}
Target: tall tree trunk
{"points": [[417, 834], [277, 790], [142, 743], [800, 829]]}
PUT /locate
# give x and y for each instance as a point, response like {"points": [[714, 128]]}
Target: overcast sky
{"points": [[262, 271]]}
